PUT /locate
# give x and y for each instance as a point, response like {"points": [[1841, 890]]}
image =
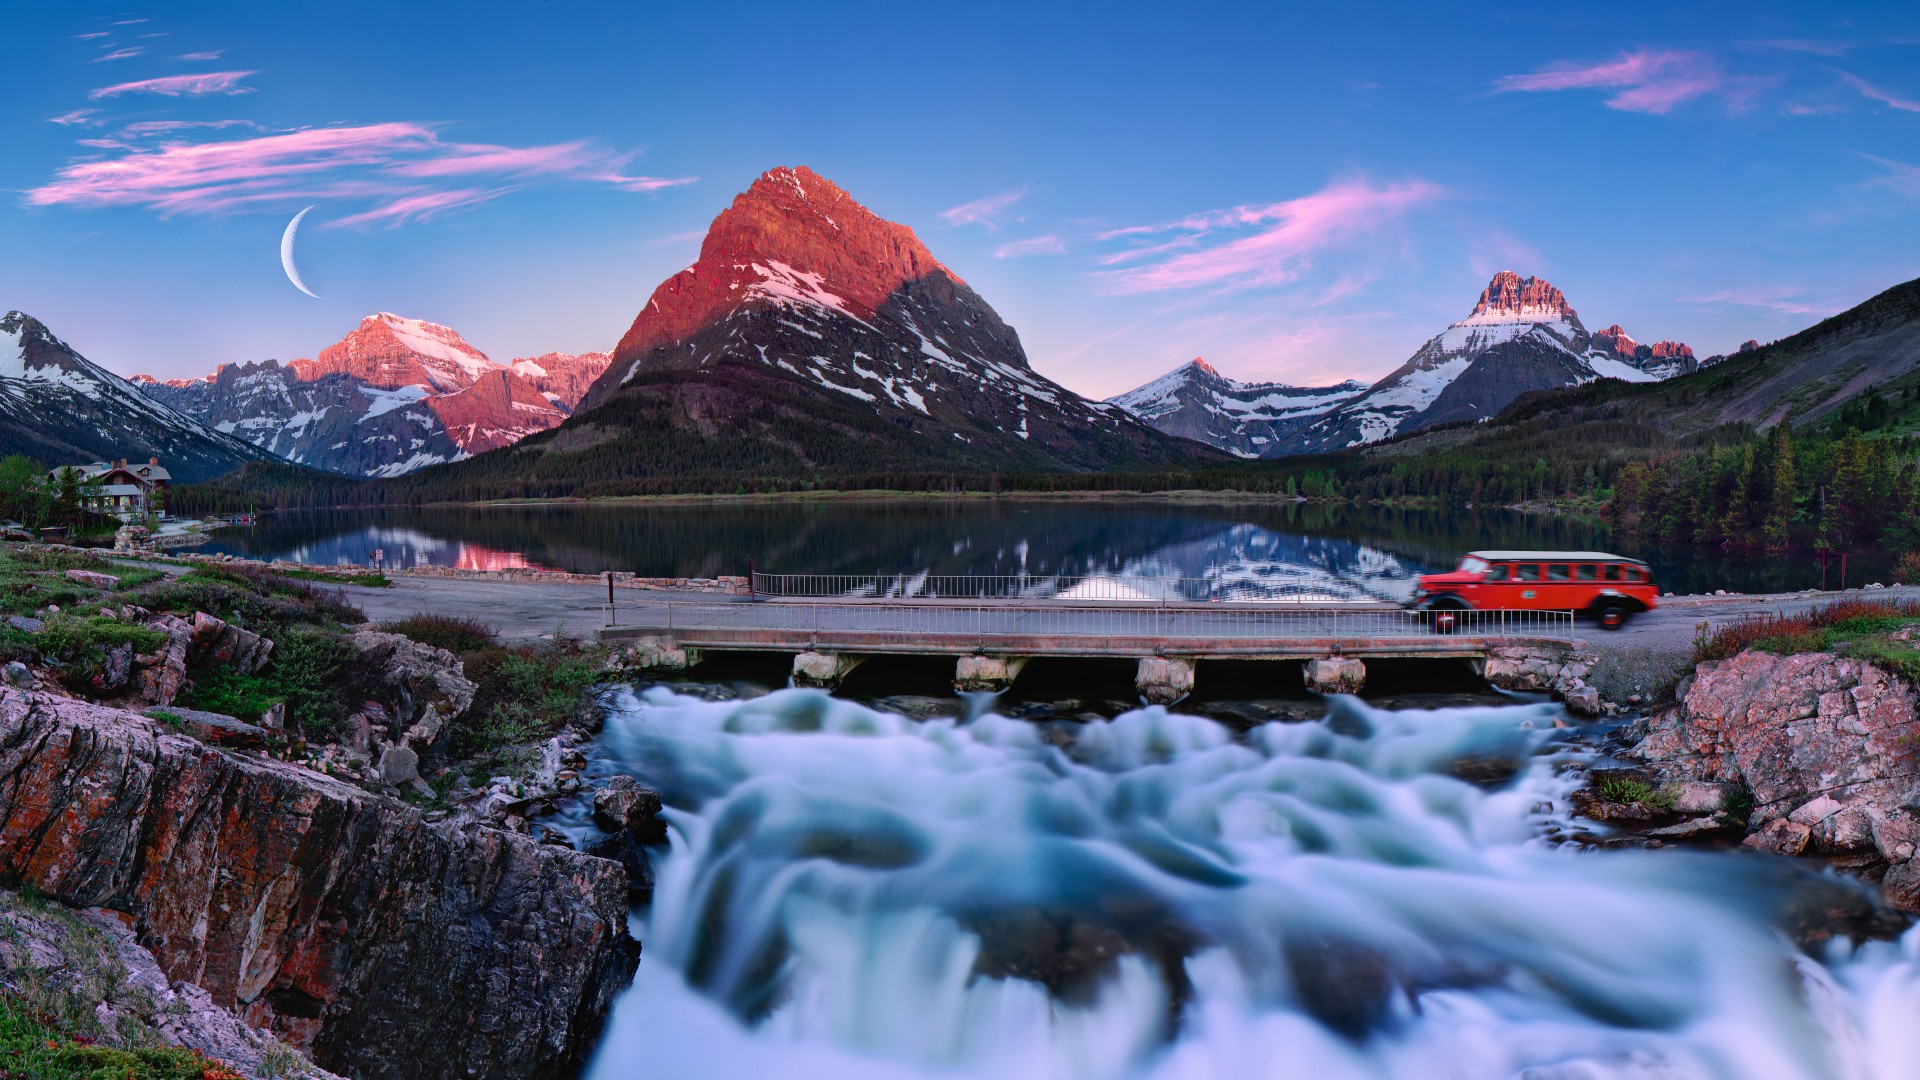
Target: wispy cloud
{"points": [[168, 127], [212, 54], [92, 36], [1036, 245], [129, 22], [1899, 177], [389, 169], [1785, 299], [988, 212], [1644, 80], [1804, 45], [121, 54], [1258, 245], [1873, 93], [212, 82], [76, 118]]}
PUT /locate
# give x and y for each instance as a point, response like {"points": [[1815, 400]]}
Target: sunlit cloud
{"points": [[212, 82], [387, 169], [1036, 245], [1899, 177], [77, 118], [1644, 81], [1804, 45], [212, 54], [168, 127], [121, 54], [129, 22], [90, 37], [1260, 245], [988, 212], [1785, 299], [1873, 93]]}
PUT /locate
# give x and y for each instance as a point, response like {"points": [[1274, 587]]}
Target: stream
{"points": [[850, 893]]}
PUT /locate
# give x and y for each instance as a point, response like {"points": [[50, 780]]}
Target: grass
{"points": [[314, 672], [456, 635], [49, 1026], [1625, 790], [350, 577], [1855, 628]]}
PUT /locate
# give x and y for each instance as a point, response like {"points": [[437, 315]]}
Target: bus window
{"points": [[1526, 572], [1586, 572], [1613, 571], [1558, 572], [1632, 573], [1496, 572]]}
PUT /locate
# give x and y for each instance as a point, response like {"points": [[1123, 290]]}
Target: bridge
{"points": [[994, 626]]}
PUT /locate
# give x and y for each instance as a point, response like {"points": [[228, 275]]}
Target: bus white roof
{"points": [[1551, 556]]}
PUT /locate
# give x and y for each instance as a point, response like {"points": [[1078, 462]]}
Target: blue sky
{"points": [[1297, 192]]}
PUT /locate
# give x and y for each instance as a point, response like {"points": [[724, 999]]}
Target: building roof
{"points": [[117, 489], [1550, 556]]}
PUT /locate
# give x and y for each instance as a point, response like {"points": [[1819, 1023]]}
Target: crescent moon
{"points": [[286, 255]]}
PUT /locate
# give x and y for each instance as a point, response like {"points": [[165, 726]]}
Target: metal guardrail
{"points": [[1088, 629], [1099, 587]]}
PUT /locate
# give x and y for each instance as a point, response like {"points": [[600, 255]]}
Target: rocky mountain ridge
{"points": [[1195, 401], [392, 396], [58, 407]]}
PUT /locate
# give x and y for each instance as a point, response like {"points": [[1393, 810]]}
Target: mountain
{"points": [[1249, 420], [813, 339], [394, 395], [60, 408], [1521, 336]]}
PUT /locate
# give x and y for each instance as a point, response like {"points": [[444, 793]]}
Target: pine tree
{"points": [[1783, 495]]}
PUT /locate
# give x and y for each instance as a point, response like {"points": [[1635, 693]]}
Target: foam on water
{"points": [[853, 894]]}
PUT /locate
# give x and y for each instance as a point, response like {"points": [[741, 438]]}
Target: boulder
{"points": [[425, 686], [218, 729], [399, 765], [1335, 675], [26, 624], [336, 918], [1823, 743], [93, 579], [217, 643], [624, 806]]}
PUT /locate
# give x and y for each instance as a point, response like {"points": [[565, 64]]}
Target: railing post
{"points": [[613, 615]]}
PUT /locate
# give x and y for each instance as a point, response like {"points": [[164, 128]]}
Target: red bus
{"points": [[1609, 588]]}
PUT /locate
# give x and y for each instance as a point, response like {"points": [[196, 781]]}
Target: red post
{"points": [[1843, 571]]}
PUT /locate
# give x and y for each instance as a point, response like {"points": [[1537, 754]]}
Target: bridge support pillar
{"points": [[823, 670], [1336, 675], [990, 673], [655, 654], [1163, 680]]}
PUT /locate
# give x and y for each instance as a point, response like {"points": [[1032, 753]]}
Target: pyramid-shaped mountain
{"points": [[814, 338], [60, 408], [1250, 420]]}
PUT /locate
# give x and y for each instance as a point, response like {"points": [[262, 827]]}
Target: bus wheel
{"points": [[1610, 616], [1446, 620]]}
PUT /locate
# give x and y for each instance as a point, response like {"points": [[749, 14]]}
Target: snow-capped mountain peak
{"points": [[1195, 401]]}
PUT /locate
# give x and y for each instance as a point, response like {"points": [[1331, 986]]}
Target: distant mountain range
{"points": [[814, 339], [60, 408], [394, 395], [1521, 336]]}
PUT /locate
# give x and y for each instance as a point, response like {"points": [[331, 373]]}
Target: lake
{"points": [[1370, 550]]}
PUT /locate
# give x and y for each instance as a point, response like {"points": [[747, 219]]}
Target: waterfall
{"points": [[853, 894]]}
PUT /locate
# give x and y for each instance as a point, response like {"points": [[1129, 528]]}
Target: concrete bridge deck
{"points": [[992, 641]]}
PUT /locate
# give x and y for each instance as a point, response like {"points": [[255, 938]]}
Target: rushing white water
{"points": [[855, 895]]}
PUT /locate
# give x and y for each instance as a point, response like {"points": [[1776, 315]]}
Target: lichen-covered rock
{"points": [[336, 918], [1826, 745], [426, 686]]}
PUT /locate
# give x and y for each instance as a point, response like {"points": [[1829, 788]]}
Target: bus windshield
{"points": [[1471, 565]]}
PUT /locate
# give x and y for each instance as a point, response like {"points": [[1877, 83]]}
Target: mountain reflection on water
{"points": [[1370, 551]]}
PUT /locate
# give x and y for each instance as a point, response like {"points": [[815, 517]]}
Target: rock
{"points": [[399, 765], [333, 917], [1699, 797], [1335, 674], [93, 579], [1163, 680], [650, 654], [1821, 742], [622, 847], [160, 676], [427, 685], [624, 806], [26, 624], [275, 719], [218, 729], [215, 642], [1694, 828], [18, 674], [1583, 701]]}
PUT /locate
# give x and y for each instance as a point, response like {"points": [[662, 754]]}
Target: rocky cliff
{"points": [[388, 947], [1828, 749], [1248, 420]]}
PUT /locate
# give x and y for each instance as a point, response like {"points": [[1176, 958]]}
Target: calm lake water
{"points": [[1370, 550]]}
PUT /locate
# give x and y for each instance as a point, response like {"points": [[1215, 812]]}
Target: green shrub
{"points": [[1907, 570], [524, 695], [367, 579], [319, 675], [456, 635], [36, 1046], [226, 690]]}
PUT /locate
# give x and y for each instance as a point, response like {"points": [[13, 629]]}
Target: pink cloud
{"points": [[1873, 93], [1037, 245], [1781, 298], [1285, 235], [1646, 81], [76, 118], [213, 82], [987, 212], [1901, 178], [120, 54], [422, 207], [90, 37], [210, 55], [130, 22], [391, 165]]}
